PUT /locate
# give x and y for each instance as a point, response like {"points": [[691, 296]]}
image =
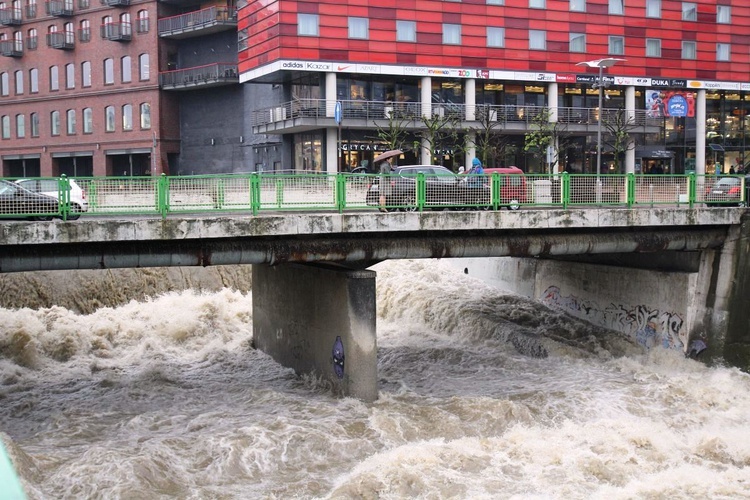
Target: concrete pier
{"points": [[319, 319]]}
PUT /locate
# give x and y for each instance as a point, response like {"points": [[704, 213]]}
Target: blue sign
{"points": [[677, 106], [337, 112]]}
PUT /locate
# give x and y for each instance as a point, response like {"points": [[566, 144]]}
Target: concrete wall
{"points": [[299, 313]]}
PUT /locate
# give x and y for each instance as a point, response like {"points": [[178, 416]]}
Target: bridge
{"points": [[685, 269]]}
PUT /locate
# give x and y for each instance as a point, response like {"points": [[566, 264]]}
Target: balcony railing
{"points": [[11, 48], [64, 40], [60, 8], [200, 22], [10, 17], [118, 32], [210, 75], [116, 3], [413, 112], [32, 42]]}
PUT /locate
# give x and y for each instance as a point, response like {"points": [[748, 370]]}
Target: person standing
{"points": [[384, 186], [475, 179]]}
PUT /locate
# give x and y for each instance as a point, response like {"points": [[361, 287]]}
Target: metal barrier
{"points": [[69, 198]]}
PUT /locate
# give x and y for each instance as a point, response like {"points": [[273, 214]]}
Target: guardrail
{"points": [[259, 192]]}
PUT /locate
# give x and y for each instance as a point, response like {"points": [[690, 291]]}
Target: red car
{"points": [[512, 186]]}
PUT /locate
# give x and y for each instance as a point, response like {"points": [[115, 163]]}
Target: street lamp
{"points": [[607, 62]]}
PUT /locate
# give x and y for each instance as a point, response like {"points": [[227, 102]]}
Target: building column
{"points": [[630, 112], [470, 99], [552, 102], [700, 133], [425, 152], [425, 96], [330, 92], [471, 149], [332, 150]]}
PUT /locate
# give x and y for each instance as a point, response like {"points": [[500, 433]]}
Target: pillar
{"points": [[700, 133], [320, 320], [630, 110], [470, 99]]}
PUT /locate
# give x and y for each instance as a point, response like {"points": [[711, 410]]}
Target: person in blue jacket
{"points": [[475, 179]]}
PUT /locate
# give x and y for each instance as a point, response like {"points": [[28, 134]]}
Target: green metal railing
{"points": [[259, 192]]}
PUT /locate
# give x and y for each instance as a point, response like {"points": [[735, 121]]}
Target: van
{"points": [[512, 186]]}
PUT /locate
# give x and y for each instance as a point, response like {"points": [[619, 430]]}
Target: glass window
{"points": [[722, 51], [616, 6], [653, 8], [689, 11], [145, 115], [616, 45], [688, 50], [54, 78], [6, 127], [495, 37], [127, 117], [33, 80], [88, 120], [495, 2], [406, 31], [109, 118], [86, 74], [537, 4], [19, 82], [70, 76], [578, 5], [577, 42], [4, 84], [84, 30], [307, 24], [452, 34], [358, 27], [32, 41], [537, 40], [55, 122], [653, 47], [143, 67], [20, 126], [109, 71], [723, 14], [142, 21], [71, 117], [34, 124], [125, 69]]}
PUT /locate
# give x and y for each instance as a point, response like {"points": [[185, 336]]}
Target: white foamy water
{"points": [[482, 395]]}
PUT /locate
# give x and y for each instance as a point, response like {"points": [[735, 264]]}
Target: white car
{"points": [[51, 187]]}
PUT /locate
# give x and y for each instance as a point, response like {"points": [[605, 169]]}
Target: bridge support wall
{"points": [[653, 308], [306, 315]]}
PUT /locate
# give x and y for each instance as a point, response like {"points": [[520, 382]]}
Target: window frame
{"points": [[358, 28], [689, 11], [496, 32], [652, 43], [573, 39], [306, 21], [543, 34], [406, 31], [451, 34]]}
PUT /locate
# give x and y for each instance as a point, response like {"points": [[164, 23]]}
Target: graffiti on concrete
{"points": [[648, 327]]}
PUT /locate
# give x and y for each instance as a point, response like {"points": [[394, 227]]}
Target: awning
{"points": [[134, 151], [22, 157], [72, 154]]}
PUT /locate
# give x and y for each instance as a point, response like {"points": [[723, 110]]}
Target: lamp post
{"points": [[607, 62]]}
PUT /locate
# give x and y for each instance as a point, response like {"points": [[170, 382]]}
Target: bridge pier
{"points": [[319, 319]]}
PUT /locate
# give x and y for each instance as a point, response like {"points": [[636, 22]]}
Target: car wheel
{"points": [[514, 205], [74, 217], [409, 203], [43, 218]]}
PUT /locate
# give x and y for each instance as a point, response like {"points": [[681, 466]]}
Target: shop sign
{"points": [[362, 146], [566, 78]]}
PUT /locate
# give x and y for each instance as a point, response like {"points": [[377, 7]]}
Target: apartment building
{"points": [[679, 69]]}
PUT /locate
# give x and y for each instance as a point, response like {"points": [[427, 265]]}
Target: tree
{"points": [[395, 132], [440, 129], [490, 143], [619, 126], [543, 134]]}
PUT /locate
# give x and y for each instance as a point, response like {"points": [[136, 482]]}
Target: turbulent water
{"points": [[483, 394]]}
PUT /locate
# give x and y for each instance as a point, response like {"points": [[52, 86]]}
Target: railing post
{"points": [[630, 189], [279, 193], [495, 190], [691, 190], [255, 193], [162, 195], [340, 192], [63, 196], [565, 189], [421, 191]]}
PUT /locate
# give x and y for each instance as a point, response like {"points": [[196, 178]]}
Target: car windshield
{"points": [[728, 182]]}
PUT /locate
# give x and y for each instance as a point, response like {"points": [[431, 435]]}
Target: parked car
{"points": [[15, 200], [513, 189], [443, 189], [51, 187], [725, 191]]}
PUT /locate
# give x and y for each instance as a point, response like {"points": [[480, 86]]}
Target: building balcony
{"points": [[10, 17], [116, 3], [308, 114], [210, 75], [198, 23], [63, 40], [117, 32], [59, 8], [11, 48]]}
